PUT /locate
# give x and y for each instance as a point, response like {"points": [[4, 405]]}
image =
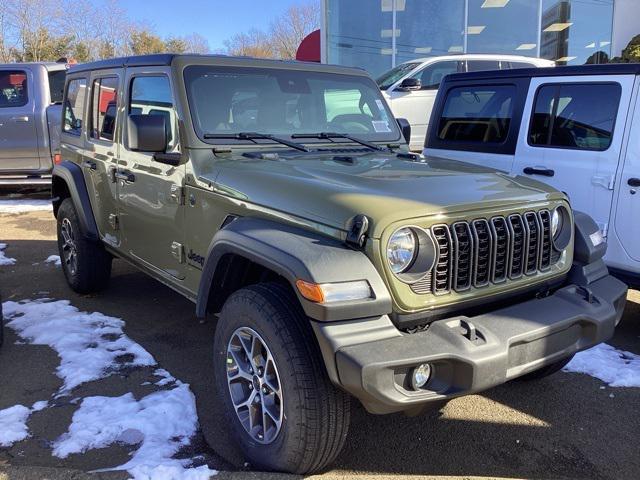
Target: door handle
{"points": [[89, 164], [125, 175], [633, 182], [20, 118], [546, 172]]}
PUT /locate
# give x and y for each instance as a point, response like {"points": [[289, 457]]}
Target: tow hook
{"points": [[587, 295]]}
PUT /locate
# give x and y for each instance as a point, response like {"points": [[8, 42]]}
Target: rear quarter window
{"points": [[575, 116], [477, 114]]}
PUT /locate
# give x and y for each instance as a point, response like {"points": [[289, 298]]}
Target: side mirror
{"points": [[410, 84], [405, 128], [147, 133]]}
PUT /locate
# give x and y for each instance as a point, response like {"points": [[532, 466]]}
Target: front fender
{"points": [[294, 253], [68, 174]]}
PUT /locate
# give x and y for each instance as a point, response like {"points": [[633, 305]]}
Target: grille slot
{"points": [[482, 252], [442, 270], [462, 255]]}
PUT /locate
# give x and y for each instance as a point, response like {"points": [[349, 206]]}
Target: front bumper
{"points": [[372, 360]]}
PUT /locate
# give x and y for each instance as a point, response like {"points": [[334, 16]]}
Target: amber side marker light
{"points": [[57, 158], [334, 292]]}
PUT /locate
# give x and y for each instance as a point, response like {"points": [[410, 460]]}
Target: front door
{"points": [[18, 136], [627, 224], [416, 105], [151, 213], [100, 155], [571, 138]]}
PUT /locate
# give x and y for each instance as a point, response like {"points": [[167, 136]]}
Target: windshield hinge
{"points": [[357, 234], [177, 194]]}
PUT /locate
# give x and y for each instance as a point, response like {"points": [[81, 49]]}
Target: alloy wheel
{"points": [[69, 248]]}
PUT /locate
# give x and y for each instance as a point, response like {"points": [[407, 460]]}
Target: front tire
{"points": [[86, 264], [263, 342]]}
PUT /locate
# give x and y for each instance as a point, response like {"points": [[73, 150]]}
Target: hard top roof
{"points": [[598, 69], [168, 59]]}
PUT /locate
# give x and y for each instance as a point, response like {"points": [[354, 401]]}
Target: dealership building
{"points": [[379, 34]]}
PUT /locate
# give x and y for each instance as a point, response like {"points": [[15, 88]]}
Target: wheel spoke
{"points": [[242, 367]]}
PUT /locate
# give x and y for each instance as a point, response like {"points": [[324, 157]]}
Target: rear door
{"points": [[572, 138], [18, 136], [627, 213], [416, 105], [100, 156]]}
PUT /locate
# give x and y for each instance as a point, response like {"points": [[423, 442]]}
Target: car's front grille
{"points": [[489, 251]]}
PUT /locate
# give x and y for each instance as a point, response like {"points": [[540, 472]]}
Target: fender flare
{"points": [[294, 253], [71, 174]]}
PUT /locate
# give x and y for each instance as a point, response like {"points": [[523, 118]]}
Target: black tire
{"points": [[548, 370], [92, 267], [1, 324], [315, 414]]}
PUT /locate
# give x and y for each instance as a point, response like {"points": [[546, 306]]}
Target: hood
{"points": [[332, 190]]}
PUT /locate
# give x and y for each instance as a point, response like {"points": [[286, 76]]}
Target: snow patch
{"points": [[166, 377], [90, 345], [55, 259], [13, 425], [5, 260], [161, 423], [24, 205], [614, 367]]}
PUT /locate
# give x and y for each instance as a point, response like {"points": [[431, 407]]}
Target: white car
{"points": [[411, 87], [575, 128]]}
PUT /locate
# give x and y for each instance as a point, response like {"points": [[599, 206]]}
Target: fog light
{"points": [[420, 376]]}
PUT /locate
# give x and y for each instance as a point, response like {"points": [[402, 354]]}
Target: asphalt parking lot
{"points": [[566, 426]]}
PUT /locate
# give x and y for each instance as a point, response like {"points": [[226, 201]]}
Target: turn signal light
{"points": [[310, 291], [334, 292], [57, 158]]}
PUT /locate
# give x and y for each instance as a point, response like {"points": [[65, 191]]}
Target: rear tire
{"points": [[86, 264], [548, 370], [314, 416]]}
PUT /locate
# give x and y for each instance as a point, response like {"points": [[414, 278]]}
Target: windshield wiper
{"points": [[332, 135], [253, 136]]}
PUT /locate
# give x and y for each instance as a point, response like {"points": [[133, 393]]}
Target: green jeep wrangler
{"points": [[280, 197]]}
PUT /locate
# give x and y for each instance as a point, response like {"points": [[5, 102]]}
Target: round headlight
{"points": [[401, 250], [561, 228], [556, 223]]}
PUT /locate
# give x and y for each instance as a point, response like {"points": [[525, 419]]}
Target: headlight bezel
{"points": [[423, 259], [562, 237]]}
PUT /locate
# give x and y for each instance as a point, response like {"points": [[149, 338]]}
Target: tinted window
{"points": [[477, 114], [13, 88], [56, 85], [480, 65], [392, 76], [74, 106], [103, 107], [151, 95], [431, 76], [576, 116]]}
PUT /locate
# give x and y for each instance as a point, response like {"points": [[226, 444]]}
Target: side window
{"points": [[74, 106], [13, 88], [431, 76], [480, 65], [575, 116], [104, 102], [477, 114], [151, 95]]}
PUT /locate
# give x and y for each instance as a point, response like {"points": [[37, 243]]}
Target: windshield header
{"points": [[225, 101]]}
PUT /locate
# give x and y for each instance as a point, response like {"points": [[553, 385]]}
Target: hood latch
{"points": [[357, 234]]}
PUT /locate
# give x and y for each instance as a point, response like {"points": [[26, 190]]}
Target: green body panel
{"points": [[314, 191]]}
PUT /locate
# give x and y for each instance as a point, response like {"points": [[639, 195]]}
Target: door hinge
{"points": [[177, 251], [177, 194], [113, 221]]}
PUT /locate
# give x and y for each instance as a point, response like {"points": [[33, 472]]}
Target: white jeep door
{"points": [[571, 138], [627, 211], [416, 105]]}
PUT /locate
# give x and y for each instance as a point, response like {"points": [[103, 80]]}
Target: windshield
{"points": [[387, 79], [230, 100]]}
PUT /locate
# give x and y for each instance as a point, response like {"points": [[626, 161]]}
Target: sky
{"points": [[216, 20]]}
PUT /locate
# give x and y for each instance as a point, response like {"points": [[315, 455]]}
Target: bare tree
{"points": [[32, 21], [196, 43], [254, 43], [288, 31]]}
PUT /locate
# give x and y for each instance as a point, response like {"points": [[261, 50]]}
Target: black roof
{"points": [[134, 61], [598, 69]]}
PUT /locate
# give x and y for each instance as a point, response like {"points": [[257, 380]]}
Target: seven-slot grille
{"points": [[486, 251]]}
